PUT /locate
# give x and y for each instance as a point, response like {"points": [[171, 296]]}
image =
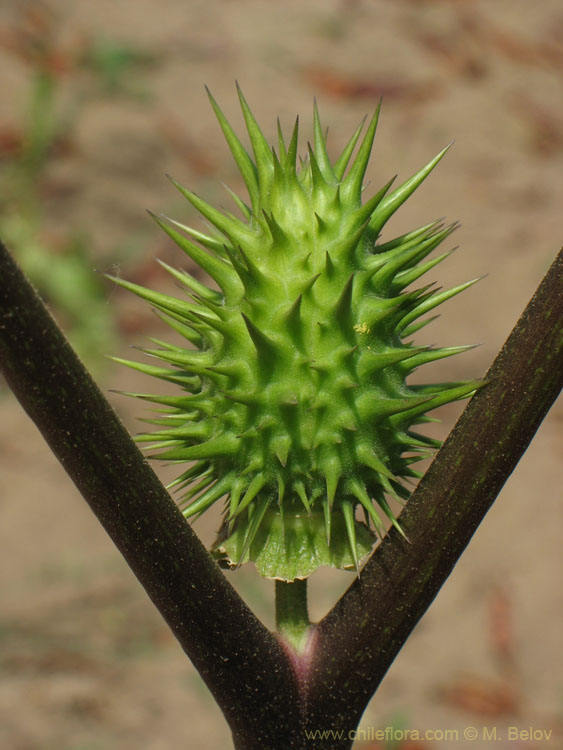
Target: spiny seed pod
{"points": [[293, 405]]}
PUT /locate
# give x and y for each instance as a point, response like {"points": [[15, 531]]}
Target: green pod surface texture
{"points": [[292, 405]]}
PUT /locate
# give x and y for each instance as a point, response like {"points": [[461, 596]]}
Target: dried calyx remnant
{"points": [[292, 401]]}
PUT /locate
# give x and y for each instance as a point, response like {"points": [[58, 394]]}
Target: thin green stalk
{"points": [[292, 616], [41, 120]]}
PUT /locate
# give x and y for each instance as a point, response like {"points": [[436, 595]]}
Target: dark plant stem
{"points": [[374, 618], [242, 663], [269, 696]]}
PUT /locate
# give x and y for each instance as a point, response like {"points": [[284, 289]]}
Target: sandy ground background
{"points": [[86, 662]]}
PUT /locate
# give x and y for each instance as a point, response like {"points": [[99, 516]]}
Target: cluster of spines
{"points": [[295, 394]]}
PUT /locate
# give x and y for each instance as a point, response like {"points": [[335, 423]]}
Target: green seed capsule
{"points": [[293, 406]]}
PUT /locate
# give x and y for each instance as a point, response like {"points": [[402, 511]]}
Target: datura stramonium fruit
{"points": [[293, 404]]}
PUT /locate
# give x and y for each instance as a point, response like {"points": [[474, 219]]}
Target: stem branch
{"points": [[242, 663], [374, 618]]}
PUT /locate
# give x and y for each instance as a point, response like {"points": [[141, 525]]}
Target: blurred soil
{"points": [[86, 662]]}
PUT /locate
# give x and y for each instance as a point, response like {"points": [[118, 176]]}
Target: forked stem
{"points": [[292, 616], [357, 641]]}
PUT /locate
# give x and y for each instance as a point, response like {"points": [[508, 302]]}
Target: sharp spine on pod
{"points": [[292, 399]]}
